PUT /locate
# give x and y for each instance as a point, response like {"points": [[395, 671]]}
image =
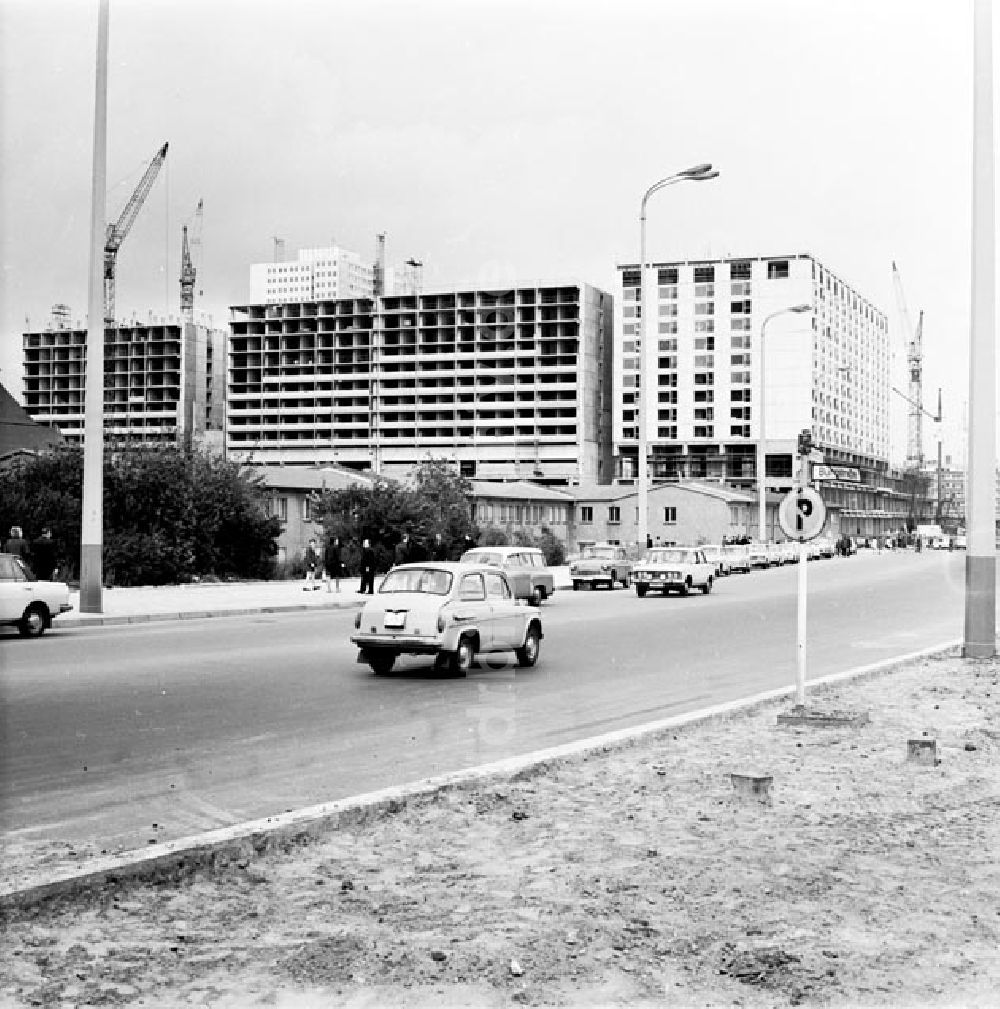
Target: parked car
{"points": [[717, 554], [674, 569], [602, 564], [527, 572], [760, 555], [27, 602], [449, 610], [739, 557]]}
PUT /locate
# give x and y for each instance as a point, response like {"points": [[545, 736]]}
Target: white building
{"points": [[827, 369], [316, 273]]}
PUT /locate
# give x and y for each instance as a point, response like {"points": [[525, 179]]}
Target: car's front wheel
{"points": [[527, 654], [34, 621], [463, 656]]}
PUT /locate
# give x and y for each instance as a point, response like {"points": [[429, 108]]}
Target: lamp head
{"points": [[800, 308], [697, 172]]}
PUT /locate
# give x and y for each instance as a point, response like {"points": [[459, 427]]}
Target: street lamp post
{"points": [[761, 443], [647, 374]]}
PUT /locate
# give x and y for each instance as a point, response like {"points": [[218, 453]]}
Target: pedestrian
{"points": [[44, 557], [312, 562], [439, 552], [402, 553], [367, 569], [333, 567], [17, 544]]}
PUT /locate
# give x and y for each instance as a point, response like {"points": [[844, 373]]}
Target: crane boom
{"points": [[118, 231]]}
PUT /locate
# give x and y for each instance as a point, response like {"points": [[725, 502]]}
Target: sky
{"points": [[499, 141]]}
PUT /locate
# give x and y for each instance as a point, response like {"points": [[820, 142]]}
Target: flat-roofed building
{"points": [[505, 384]]}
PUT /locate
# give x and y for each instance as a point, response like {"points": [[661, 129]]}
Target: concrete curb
{"points": [[238, 844], [244, 611]]}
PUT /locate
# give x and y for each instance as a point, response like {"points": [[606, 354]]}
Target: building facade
{"points": [[164, 381], [332, 272], [504, 384]]}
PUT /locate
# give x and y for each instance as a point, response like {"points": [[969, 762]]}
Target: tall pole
{"points": [[980, 561], [91, 540]]}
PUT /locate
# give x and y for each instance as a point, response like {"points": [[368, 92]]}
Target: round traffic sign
{"points": [[802, 514]]}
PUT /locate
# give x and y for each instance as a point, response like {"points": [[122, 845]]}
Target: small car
{"points": [[760, 555], [716, 553], [449, 610], [26, 602], [601, 564], [739, 557], [674, 569], [527, 572]]}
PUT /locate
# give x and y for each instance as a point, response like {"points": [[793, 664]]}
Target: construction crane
{"points": [[915, 367], [118, 231], [188, 269]]}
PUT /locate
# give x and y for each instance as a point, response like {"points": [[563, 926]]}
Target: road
{"points": [[118, 736]]}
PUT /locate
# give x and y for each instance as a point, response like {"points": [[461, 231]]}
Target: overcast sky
{"points": [[495, 141]]}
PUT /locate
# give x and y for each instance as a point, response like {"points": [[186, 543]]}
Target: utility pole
{"points": [[92, 531]]}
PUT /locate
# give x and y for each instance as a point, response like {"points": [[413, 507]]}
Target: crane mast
{"points": [[189, 271], [914, 367], [118, 231]]}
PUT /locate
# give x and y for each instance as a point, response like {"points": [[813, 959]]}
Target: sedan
{"points": [[674, 569], [26, 603], [449, 610]]}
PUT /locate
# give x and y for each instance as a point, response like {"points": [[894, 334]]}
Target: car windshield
{"points": [[482, 557], [671, 556], [600, 553], [431, 581]]}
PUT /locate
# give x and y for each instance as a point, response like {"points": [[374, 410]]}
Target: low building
{"points": [[523, 506], [19, 433]]}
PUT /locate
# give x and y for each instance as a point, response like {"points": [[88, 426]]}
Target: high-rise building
{"points": [[163, 380], [826, 369], [315, 274], [505, 384]]}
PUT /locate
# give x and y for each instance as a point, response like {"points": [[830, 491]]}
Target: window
{"points": [[704, 431], [704, 274], [496, 587], [740, 307], [614, 514], [667, 275], [704, 378], [740, 270], [279, 507], [704, 326], [777, 269], [472, 587], [668, 327], [739, 431], [704, 360], [704, 290], [704, 343], [586, 513], [703, 308], [631, 278], [704, 396], [666, 346], [704, 413], [740, 378], [667, 309], [670, 515]]}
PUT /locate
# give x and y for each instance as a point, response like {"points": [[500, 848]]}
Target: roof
{"points": [[311, 478], [21, 433], [616, 492], [519, 490]]}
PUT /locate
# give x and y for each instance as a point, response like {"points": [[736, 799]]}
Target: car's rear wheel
{"points": [[641, 590], [707, 587], [34, 621], [527, 654], [537, 595], [463, 656], [576, 585], [381, 662]]}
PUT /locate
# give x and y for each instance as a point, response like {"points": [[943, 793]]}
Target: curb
{"points": [[246, 611], [238, 844]]}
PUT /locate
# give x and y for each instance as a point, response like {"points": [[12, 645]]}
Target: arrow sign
{"points": [[802, 514]]}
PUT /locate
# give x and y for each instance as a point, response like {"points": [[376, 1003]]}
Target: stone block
{"points": [[752, 786], [922, 751]]}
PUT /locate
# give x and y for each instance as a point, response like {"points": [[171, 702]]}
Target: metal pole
{"points": [[803, 597], [91, 539], [762, 446], [980, 561], [645, 377]]}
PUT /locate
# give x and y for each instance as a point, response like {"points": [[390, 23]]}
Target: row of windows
{"points": [[615, 514]]}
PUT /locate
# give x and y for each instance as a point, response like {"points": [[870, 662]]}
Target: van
{"points": [[527, 572]]}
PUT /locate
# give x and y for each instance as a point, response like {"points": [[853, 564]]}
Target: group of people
{"points": [[328, 567], [41, 555]]}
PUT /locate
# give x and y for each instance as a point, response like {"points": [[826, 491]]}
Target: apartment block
{"points": [[163, 380], [825, 369], [506, 384], [332, 272]]}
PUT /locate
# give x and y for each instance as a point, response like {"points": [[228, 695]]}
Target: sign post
{"points": [[802, 516]]}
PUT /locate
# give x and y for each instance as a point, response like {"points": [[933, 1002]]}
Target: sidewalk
{"points": [[631, 873], [218, 599]]}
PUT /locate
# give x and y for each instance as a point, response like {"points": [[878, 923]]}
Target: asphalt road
{"points": [[196, 724]]}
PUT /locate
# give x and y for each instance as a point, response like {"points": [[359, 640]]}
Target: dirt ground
{"points": [[639, 877]]}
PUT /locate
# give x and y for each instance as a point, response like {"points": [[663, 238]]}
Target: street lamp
{"points": [[761, 445], [647, 375]]}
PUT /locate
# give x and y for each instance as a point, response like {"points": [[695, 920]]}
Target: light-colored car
{"points": [[673, 569], [739, 557], [601, 564], [448, 610], [717, 555], [527, 572], [27, 603], [760, 555]]}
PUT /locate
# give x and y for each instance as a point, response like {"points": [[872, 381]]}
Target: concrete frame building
{"points": [[505, 384], [163, 380]]}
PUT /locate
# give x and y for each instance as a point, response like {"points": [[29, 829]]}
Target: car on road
{"points": [[26, 602], [760, 555], [739, 557], [528, 574], [449, 610], [601, 564], [718, 555], [673, 569]]}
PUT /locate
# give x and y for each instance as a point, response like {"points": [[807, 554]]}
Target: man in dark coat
{"points": [[44, 556], [367, 569], [333, 567]]}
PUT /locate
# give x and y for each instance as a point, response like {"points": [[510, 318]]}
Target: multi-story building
{"points": [[506, 384], [826, 370], [163, 380], [332, 272]]}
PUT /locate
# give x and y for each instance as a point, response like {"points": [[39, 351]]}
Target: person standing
{"points": [[44, 557], [312, 561], [17, 544], [333, 566], [367, 569]]}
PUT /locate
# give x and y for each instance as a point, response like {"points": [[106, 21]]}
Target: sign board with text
{"points": [[846, 473]]}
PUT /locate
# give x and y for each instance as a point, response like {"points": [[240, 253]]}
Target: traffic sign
{"points": [[802, 514]]}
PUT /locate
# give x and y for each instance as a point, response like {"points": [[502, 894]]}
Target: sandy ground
{"points": [[639, 877]]}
